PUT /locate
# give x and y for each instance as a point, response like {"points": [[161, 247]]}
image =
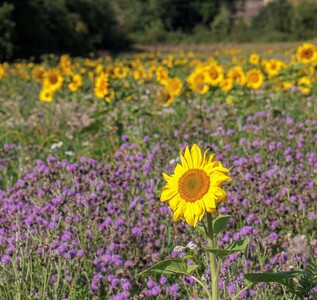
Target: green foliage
{"points": [[233, 248], [282, 21], [76, 27], [306, 283], [284, 278], [220, 27], [6, 30], [305, 22], [170, 267], [220, 223]]}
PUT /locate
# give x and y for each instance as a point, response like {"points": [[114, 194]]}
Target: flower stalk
{"points": [[213, 263]]}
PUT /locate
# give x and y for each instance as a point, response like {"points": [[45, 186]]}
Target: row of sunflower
{"points": [[172, 75]]}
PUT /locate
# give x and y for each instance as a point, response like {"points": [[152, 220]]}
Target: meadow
{"points": [[84, 143]]}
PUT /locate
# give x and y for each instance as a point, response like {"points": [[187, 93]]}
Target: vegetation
{"points": [[34, 27], [83, 144]]}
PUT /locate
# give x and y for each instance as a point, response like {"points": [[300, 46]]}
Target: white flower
{"points": [[179, 249], [174, 161], [69, 153], [56, 145], [191, 246]]}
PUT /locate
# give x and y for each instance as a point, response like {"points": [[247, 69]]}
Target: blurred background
{"points": [[34, 27]]}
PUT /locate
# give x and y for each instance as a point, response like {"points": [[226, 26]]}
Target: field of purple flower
{"points": [[81, 227]]}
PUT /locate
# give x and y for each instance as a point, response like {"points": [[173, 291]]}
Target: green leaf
{"points": [[284, 278], [191, 268], [99, 113], [93, 127], [169, 267], [233, 248], [220, 223], [200, 228]]}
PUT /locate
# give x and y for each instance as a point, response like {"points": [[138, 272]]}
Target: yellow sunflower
{"points": [[254, 79], [305, 85], [174, 85], [53, 79], [46, 95], [76, 83], [195, 186], [197, 82], [254, 59], [214, 74], [236, 74], [306, 53]]}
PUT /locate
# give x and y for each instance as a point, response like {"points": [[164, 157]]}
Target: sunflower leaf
{"points": [[284, 278], [191, 268], [233, 248], [220, 223], [169, 267]]}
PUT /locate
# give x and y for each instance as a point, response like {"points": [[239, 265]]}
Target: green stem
{"points": [[203, 285], [214, 273], [244, 289]]}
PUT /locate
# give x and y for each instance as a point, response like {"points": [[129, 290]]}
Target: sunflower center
{"points": [[193, 185], [254, 77], [308, 53], [53, 79]]}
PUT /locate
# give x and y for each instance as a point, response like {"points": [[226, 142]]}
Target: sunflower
{"points": [[226, 85], [214, 74], [197, 81], [273, 66], [101, 86], [254, 79], [164, 97], [76, 83], [305, 85], [236, 74], [174, 85], [195, 186], [139, 74], [2, 72], [306, 53], [46, 95], [254, 59], [52, 79]]}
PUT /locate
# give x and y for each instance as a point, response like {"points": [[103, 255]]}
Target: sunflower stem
{"points": [[213, 263], [203, 285], [244, 289]]}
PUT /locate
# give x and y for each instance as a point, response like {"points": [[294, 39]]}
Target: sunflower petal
{"points": [[179, 211], [189, 215], [179, 170], [174, 202], [219, 194], [217, 178], [211, 158], [209, 202], [167, 193], [183, 161], [196, 156], [198, 208], [204, 158], [167, 177], [188, 158]]}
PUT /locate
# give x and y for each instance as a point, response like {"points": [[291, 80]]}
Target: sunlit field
{"points": [[84, 143]]}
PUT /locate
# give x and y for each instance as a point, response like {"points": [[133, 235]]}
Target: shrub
{"points": [[305, 22], [6, 31]]}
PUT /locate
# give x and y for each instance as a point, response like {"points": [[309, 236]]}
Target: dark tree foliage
{"points": [[60, 26]]}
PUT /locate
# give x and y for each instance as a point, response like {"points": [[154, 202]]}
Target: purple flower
{"points": [[5, 259], [61, 249], [273, 236]]}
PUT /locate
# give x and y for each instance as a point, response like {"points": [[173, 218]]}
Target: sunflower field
{"points": [[84, 207]]}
